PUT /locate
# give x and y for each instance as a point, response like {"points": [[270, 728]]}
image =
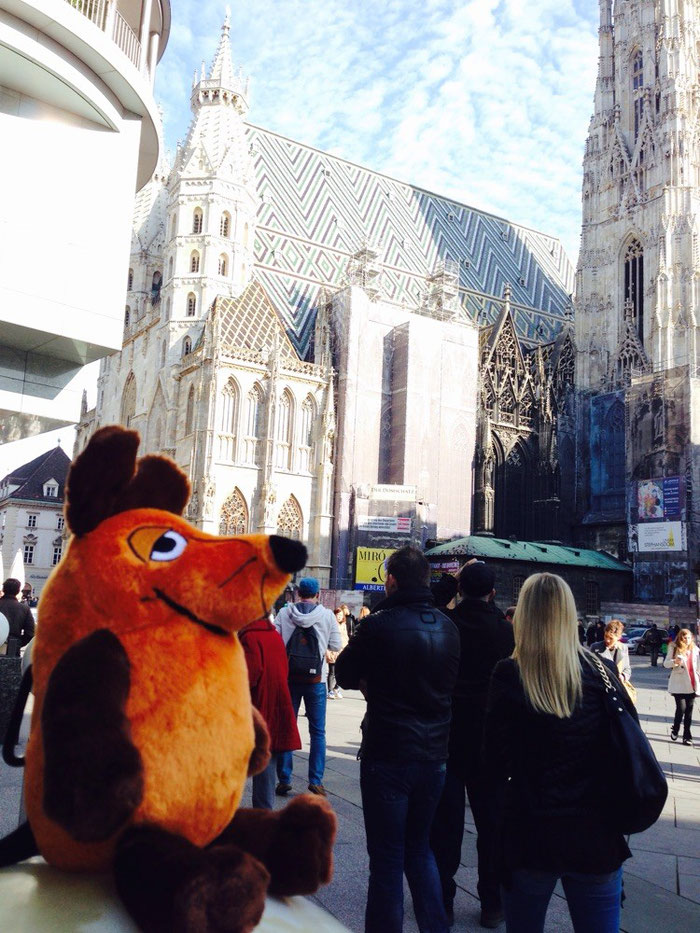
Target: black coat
{"points": [[406, 654], [559, 809], [21, 623], [485, 637]]}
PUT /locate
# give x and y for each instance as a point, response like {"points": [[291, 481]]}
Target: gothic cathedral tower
{"points": [[638, 295]]}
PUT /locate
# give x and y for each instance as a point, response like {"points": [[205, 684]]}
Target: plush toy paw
{"points": [[300, 857], [227, 894]]}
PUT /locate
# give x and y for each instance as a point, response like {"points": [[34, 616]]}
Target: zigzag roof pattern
{"points": [[316, 209]]}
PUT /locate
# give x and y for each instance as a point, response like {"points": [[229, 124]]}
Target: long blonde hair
{"points": [[683, 641], [547, 648]]}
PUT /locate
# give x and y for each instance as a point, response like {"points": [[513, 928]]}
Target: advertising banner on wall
{"points": [[657, 536], [369, 568], [397, 524], [660, 500]]}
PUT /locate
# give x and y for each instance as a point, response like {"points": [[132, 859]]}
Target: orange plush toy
{"points": [[143, 731]]}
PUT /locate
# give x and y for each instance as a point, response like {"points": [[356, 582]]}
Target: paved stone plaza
{"points": [[662, 881]]}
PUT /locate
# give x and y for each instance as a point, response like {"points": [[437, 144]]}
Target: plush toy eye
{"points": [[168, 547]]}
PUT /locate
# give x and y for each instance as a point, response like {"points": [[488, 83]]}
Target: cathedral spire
{"points": [[224, 86], [222, 67]]}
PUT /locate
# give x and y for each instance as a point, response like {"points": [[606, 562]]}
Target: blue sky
{"points": [[487, 101]]}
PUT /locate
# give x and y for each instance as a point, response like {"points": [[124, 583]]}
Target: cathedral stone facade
{"points": [[335, 355], [638, 298]]}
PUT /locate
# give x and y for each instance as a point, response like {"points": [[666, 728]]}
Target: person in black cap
{"points": [[485, 639]]}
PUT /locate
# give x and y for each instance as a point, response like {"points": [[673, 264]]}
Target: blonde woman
{"points": [[545, 753], [684, 682]]}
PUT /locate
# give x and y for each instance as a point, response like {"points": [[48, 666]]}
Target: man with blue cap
{"points": [[309, 631]]}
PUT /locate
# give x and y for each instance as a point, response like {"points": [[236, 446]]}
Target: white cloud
{"points": [[487, 101]]}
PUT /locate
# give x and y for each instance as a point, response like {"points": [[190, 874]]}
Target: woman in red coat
{"points": [[266, 657]]}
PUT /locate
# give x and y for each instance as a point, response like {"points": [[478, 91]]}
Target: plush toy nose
{"points": [[289, 555]]}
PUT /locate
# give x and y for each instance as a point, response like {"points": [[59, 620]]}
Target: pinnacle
{"points": [[222, 67]]}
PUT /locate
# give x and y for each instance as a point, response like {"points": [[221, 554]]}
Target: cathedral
{"points": [[333, 354], [638, 299]]}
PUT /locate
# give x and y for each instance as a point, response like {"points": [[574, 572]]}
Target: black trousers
{"points": [[654, 652], [684, 713], [448, 831]]}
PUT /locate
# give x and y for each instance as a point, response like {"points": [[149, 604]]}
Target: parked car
{"points": [[632, 634]]}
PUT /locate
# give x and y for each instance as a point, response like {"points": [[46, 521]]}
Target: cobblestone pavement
{"points": [[662, 881]]}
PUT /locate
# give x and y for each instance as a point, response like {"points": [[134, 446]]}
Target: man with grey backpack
{"points": [[309, 631]]}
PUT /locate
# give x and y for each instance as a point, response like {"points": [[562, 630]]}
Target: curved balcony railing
{"points": [[105, 15]]}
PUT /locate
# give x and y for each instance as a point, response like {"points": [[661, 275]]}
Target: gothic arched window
{"points": [[191, 304], [189, 412], [234, 515], [638, 89], [634, 283], [290, 521], [194, 261], [186, 346], [253, 422], [225, 224], [228, 421], [306, 441], [128, 400], [197, 220], [283, 432], [614, 454], [127, 316], [130, 280], [223, 265]]}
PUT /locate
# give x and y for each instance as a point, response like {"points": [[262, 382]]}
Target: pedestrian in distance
{"points": [[546, 744], [308, 631], [654, 640], [334, 691], [509, 614], [19, 617], [613, 649], [404, 657], [485, 638], [684, 682], [269, 691]]}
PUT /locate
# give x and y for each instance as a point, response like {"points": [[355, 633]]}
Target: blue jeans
{"points": [[398, 803], [594, 900], [264, 786], [314, 696]]}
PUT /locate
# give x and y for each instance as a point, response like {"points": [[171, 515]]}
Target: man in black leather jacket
{"points": [[485, 638], [404, 657]]}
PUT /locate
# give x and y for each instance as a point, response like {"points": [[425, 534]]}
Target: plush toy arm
{"points": [[260, 756], [93, 777]]}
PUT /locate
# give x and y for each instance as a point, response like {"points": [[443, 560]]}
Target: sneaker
{"points": [[338, 694], [318, 789], [283, 789], [674, 735], [491, 918], [688, 742], [331, 695]]}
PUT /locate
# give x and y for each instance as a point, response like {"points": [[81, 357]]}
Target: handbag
{"points": [[628, 685], [632, 767]]}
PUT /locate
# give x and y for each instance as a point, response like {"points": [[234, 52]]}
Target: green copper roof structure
{"points": [[535, 551]]}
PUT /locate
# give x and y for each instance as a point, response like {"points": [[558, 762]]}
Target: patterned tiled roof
{"points": [[251, 321], [317, 209]]}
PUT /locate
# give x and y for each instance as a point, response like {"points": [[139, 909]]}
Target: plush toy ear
{"points": [[158, 484], [104, 480]]}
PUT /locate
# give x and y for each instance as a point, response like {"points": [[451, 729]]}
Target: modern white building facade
{"points": [[79, 127]]}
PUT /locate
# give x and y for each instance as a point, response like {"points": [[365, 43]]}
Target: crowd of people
{"points": [[507, 711]]}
